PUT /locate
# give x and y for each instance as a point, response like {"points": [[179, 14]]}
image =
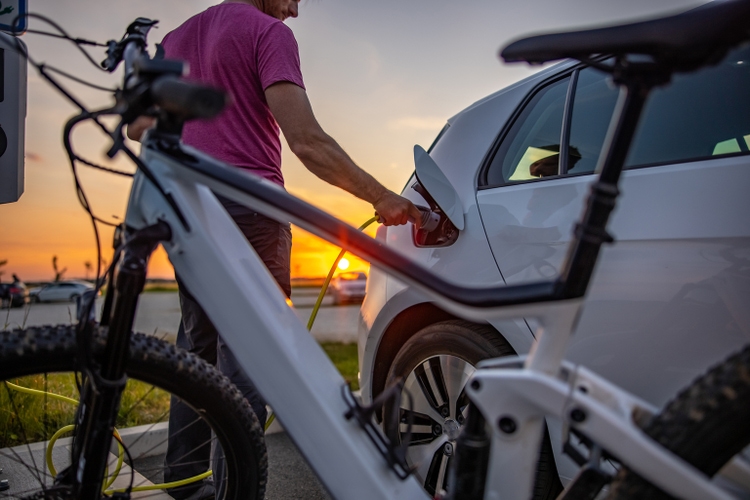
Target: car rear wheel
{"points": [[435, 365]]}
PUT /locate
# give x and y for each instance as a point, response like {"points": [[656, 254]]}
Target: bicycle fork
{"points": [[104, 382]]}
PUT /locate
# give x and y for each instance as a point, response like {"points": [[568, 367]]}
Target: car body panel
{"points": [[639, 304], [15, 294], [61, 291], [349, 286]]}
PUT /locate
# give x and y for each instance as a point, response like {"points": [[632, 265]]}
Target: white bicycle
{"points": [[674, 452]]}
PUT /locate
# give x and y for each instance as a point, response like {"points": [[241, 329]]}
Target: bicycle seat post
{"points": [[636, 81]]}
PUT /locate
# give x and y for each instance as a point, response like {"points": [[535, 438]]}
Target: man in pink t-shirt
{"points": [[244, 48]]}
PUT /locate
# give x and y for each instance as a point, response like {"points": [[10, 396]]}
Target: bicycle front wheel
{"points": [[38, 400], [707, 424]]}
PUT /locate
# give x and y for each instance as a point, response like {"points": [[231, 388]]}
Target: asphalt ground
{"points": [[289, 476], [159, 314]]}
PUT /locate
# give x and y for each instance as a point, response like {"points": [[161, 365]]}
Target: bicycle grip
{"points": [[187, 100]]}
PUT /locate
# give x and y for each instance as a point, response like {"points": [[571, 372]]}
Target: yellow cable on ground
{"points": [[121, 449], [120, 460], [163, 486], [52, 440], [71, 428], [42, 393]]}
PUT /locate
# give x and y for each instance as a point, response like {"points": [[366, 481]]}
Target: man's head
{"points": [[280, 9]]}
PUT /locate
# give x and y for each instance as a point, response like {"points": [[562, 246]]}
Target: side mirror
{"points": [[436, 184]]}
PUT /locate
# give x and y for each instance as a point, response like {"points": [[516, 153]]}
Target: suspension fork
{"points": [[104, 382]]}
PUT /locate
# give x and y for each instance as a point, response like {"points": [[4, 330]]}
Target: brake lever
{"points": [[136, 32]]}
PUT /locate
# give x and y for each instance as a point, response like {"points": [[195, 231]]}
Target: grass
{"points": [[31, 418], [160, 287], [344, 356]]}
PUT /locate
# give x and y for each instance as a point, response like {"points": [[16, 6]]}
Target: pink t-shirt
{"points": [[237, 48]]}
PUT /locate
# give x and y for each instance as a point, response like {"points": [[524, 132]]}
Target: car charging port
{"points": [[430, 220], [435, 229]]}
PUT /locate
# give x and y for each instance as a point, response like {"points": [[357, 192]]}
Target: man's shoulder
{"points": [[231, 17], [239, 16]]}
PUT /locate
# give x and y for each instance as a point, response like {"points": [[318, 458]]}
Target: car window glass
{"points": [[593, 105], [700, 115], [531, 148]]}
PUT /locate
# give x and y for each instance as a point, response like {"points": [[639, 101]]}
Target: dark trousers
{"points": [[189, 446]]}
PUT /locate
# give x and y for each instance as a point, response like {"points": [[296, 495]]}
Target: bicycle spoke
{"points": [[23, 434]]}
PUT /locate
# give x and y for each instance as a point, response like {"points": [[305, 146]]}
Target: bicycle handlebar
{"points": [[156, 81], [187, 100]]}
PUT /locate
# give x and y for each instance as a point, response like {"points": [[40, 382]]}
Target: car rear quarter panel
{"points": [[459, 154]]}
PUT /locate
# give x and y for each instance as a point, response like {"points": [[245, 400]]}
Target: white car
{"points": [[60, 291], [348, 287], [668, 299]]}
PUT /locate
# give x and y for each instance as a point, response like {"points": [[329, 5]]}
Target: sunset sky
{"points": [[381, 75]]}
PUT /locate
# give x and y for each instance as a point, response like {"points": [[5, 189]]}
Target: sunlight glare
{"points": [[343, 264]]}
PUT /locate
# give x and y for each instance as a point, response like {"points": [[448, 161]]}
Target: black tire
{"points": [[34, 355], [706, 425], [456, 346]]}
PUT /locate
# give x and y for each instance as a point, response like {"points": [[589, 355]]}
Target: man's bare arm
{"points": [[136, 129], [323, 156]]}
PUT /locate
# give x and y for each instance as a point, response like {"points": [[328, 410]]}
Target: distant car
{"points": [[61, 291], [348, 287], [14, 294]]}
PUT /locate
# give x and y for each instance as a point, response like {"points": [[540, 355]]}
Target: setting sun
{"points": [[344, 264]]}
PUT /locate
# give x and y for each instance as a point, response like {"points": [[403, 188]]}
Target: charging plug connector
{"points": [[430, 220]]}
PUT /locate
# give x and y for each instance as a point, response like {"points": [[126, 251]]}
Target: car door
{"points": [[668, 299], [57, 292]]}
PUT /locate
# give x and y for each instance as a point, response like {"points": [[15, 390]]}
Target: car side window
{"points": [[698, 116], [531, 149], [593, 104]]}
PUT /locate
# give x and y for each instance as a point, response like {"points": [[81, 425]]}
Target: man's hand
{"points": [[394, 210], [323, 156], [139, 126]]}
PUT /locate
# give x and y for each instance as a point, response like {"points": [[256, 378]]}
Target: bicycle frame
{"points": [[291, 371]]}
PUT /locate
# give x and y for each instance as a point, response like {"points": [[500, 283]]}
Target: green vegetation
{"points": [[160, 287], [344, 356], [32, 417]]}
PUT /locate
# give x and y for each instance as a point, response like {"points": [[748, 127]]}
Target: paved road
{"points": [[159, 314], [289, 476]]}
